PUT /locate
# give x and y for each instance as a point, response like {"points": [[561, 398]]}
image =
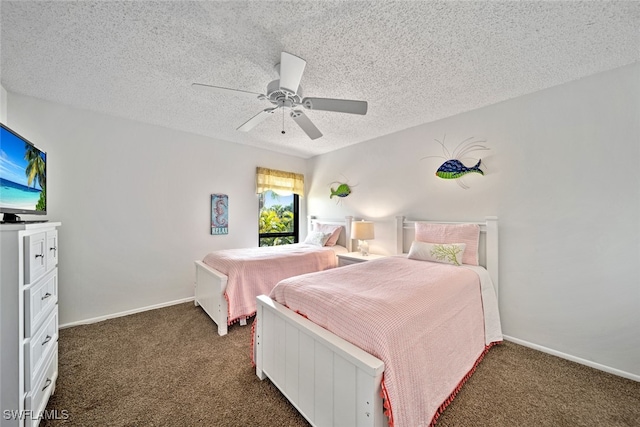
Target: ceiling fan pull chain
{"points": [[283, 120]]}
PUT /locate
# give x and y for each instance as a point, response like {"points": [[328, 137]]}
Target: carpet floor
{"points": [[169, 367]]}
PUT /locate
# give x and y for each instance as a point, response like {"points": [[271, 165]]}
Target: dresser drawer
{"points": [[36, 400], [37, 350], [35, 257], [51, 249], [39, 300]]}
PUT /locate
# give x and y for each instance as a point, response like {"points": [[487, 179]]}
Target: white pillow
{"points": [[317, 238], [335, 231], [447, 253]]}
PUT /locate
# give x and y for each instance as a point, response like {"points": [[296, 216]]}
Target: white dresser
{"points": [[28, 320]]}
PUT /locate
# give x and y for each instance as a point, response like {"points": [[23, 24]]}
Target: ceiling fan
{"points": [[286, 93]]}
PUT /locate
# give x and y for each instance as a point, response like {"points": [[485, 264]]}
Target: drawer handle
{"points": [[53, 249], [39, 256], [46, 340], [47, 295], [47, 384]]}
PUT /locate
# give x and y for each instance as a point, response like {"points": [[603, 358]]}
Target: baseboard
{"points": [[586, 362], [124, 313]]}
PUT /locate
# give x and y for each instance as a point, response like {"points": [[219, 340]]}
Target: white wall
{"points": [[562, 177], [134, 200], [3, 105]]}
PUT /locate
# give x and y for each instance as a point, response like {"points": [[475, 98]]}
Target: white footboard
{"points": [[209, 294], [330, 381]]}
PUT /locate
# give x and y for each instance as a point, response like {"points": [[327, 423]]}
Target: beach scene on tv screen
{"points": [[22, 174]]}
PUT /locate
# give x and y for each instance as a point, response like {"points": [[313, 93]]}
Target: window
{"points": [[278, 195], [278, 220]]}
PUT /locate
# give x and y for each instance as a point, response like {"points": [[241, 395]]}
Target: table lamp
{"points": [[363, 231]]}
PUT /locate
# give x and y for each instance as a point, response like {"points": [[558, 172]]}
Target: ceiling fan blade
{"points": [[291, 69], [255, 120], [337, 105], [307, 126], [223, 90]]}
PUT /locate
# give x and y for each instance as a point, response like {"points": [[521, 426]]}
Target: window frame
{"points": [[296, 225]]}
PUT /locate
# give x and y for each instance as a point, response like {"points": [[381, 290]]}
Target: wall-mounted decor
{"points": [[453, 167], [219, 214], [342, 190]]}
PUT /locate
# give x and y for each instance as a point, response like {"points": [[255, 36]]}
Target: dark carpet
{"points": [[169, 367]]}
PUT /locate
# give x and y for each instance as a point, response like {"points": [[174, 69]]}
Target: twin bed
{"points": [[228, 281], [386, 342]]}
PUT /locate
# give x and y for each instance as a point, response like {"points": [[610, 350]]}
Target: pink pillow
{"points": [[327, 228], [468, 234]]}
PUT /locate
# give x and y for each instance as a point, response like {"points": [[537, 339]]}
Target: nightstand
{"points": [[356, 257]]}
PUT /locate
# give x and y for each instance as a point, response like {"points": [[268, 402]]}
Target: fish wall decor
{"points": [[343, 190], [453, 167]]}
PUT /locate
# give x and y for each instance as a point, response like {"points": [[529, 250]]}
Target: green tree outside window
{"points": [[277, 219]]}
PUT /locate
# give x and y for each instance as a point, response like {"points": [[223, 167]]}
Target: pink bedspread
{"points": [[423, 320], [255, 271]]}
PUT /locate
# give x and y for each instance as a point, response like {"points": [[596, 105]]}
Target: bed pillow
{"points": [[469, 234], [317, 238], [335, 231], [447, 253]]}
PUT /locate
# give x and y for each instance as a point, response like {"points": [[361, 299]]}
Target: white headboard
{"points": [[487, 250], [345, 236]]}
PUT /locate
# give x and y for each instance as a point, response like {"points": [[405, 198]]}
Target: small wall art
{"points": [[341, 190], [453, 168], [219, 214]]}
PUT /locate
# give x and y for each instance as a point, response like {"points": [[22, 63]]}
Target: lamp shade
{"points": [[362, 230]]}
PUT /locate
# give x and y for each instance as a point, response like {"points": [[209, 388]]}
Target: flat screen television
{"points": [[23, 177]]}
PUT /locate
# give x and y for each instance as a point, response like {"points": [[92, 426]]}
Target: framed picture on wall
{"points": [[219, 214]]}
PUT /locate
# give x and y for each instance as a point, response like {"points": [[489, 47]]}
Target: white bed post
{"points": [[310, 219], [492, 251], [347, 228], [399, 234]]}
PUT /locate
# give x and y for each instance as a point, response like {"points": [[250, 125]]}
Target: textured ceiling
{"points": [[414, 62]]}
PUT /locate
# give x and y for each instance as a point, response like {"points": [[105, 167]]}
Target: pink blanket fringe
{"points": [[387, 404], [231, 321], [455, 392], [253, 340]]}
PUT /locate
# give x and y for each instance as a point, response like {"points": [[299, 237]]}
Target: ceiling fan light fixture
{"points": [[275, 94], [286, 92]]}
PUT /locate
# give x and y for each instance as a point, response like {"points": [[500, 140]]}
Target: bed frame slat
{"points": [[344, 379], [306, 364]]}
